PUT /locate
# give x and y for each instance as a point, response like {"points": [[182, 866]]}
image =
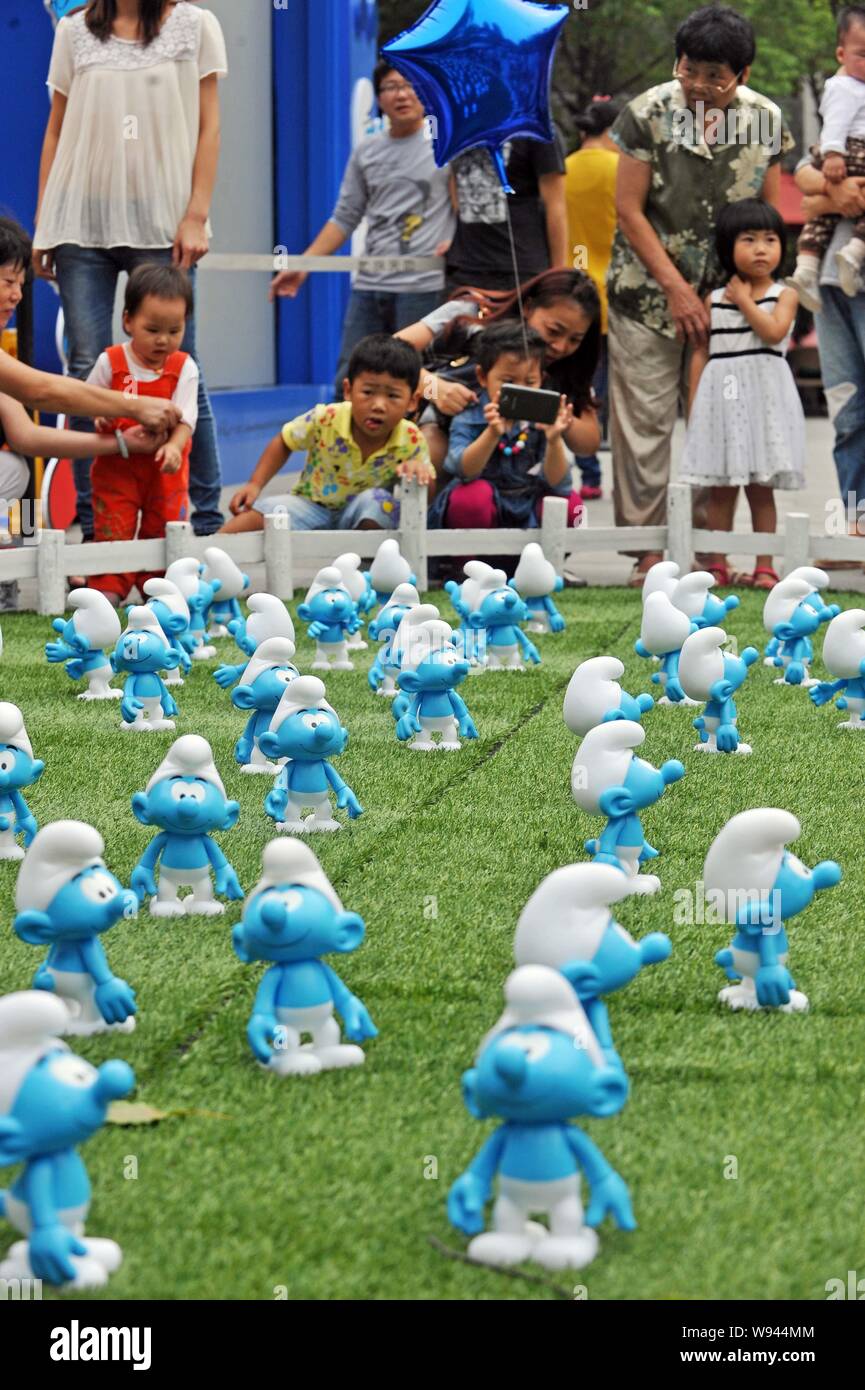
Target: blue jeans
{"points": [[374, 311], [589, 466], [841, 336], [375, 504], [87, 279]]}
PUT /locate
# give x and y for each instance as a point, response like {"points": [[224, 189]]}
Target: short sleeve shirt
{"points": [[334, 472], [691, 181]]}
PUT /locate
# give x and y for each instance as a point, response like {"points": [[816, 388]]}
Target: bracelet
{"points": [[122, 446]]}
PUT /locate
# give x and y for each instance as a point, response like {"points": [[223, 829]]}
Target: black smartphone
{"points": [[528, 403]]}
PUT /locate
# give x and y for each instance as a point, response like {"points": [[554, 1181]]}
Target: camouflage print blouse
{"points": [[691, 182]]}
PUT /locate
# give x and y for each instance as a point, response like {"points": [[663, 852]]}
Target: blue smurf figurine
{"points": [[594, 694], [464, 598], [18, 768], [662, 635], [143, 652], [268, 617], [188, 576], [263, 681], [536, 581], [186, 799], [793, 612], [431, 670], [385, 668], [388, 569], [94, 625], [607, 778], [50, 1102], [225, 606], [775, 610], [692, 597], [708, 673], [357, 584], [751, 880], [305, 730], [567, 924], [844, 656], [332, 615], [172, 614], [539, 1067], [65, 898], [498, 615], [293, 917]]}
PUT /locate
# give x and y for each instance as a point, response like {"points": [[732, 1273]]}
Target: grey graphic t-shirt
{"points": [[395, 184]]}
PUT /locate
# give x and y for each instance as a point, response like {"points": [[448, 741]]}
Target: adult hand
{"points": [[450, 397], [141, 441], [835, 168], [244, 498], [190, 243], [43, 264], [848, 198], [286, 284], [688, 314], [154, 414]]}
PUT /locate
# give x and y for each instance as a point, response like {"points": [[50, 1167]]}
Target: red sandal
{"points": [[722, 575], [752, 581]]}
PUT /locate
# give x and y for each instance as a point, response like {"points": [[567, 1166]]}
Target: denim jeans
{"points": [[375, 504], [87, 279], [373, 311], [589, 465], [841, 336]]}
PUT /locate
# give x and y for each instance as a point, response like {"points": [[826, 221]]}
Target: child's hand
{"points": [[419, 470], [141, 441], [738, 292], [103, 425], [169, 458], [244, 498], [562, 422], [494, 419], [834, 168]]}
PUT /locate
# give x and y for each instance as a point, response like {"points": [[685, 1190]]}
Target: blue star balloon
{"points": [[482, 69]]}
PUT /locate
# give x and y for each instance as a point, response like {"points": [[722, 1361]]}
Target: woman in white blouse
{"points": [[127, 174]]}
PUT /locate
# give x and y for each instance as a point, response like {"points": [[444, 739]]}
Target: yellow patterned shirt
{"points": [[334, 472]]}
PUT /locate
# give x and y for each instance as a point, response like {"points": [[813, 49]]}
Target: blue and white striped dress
{"points": [[747, 424]]}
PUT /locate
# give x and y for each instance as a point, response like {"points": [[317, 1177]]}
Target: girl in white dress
{"points": [[746, 426]]}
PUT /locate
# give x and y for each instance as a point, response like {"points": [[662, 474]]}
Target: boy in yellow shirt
{"points": [[355, 450]]}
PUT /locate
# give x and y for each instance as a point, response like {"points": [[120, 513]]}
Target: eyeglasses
{"points": [[689, 78], [390, 87]]}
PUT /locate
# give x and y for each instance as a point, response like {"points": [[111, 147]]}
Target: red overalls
{"points": [[123, 488]]}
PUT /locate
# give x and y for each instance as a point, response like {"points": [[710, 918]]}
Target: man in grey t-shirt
{"points": [[392, 180]]}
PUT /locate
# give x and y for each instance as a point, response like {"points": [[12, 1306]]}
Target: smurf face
{"points": [[64, 1100], [386, 623], [501, 607], [17, 768], [647, 784], [797, 884], [634, 707], [293, 922], [186, 805], [91, 902], [171, 623], [310, 733], [441, 670], [533, 1074], [329, 606], [715, 610], [140, 651], [269, 687]]}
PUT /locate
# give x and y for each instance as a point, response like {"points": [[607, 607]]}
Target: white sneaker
{"points": [[807, 286], [848, 262]]}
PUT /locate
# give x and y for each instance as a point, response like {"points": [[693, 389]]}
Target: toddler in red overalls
{"points": [[139, 494]]}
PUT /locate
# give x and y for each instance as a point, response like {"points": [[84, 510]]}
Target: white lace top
{"points": [[122, 174]]}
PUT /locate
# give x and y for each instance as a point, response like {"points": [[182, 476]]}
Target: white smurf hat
{"points": [[421, 613], [221, 566], [29, 1024], [844, 643], [817, 578], [745, 856], [474, 571], [270, 618], [276, 651], [534, 576], [664, 576], [189, 756], [691, 592], [291, 861], [169, 594], [403, 596], [143, 619], [592, 690], [434, 635], [536, 994], [186, 574], [490, 583], [701, 662], [349, 567], [664, 627], [57, 853], [306, 692], [603, 760], [567, 915], [12, 730], [783, 600], [389, 567], [327, 578], [94, 617]]}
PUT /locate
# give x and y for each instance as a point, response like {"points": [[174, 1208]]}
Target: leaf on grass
{"points": [[126, 1112]]}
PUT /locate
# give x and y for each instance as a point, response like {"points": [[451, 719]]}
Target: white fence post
{"points": [[797, 540], [178, 534], [554, 525], [680, 545], [277, 555], [50, 579], [412, 526]]}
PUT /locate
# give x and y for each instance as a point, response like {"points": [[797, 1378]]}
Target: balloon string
{"points": [[516, 276]]}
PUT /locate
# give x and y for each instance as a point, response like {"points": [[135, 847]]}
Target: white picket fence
{"points": [[291, 557]]}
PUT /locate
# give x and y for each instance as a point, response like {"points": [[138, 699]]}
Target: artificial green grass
{"points": [[330, 1187]]}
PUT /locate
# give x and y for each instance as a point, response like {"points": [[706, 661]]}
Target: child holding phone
{"points": [[501, 470]]}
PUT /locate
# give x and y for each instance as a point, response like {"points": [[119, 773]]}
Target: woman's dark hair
{"points": [[15, 245], [747, 215], [101, 14], [507, 337], [598, 116], [717, 34], [379, 352], [571, 376], [162, 281]]}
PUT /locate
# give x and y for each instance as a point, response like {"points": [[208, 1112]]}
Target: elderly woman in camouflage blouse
{"points": [[689, 146]]}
